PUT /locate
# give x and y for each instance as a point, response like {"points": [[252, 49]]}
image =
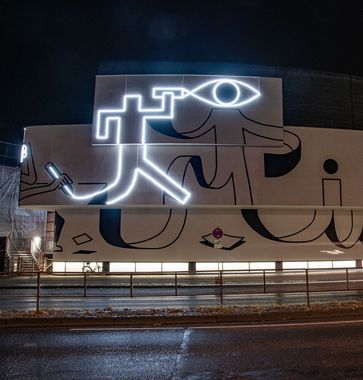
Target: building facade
{"points": [[200, 168]]}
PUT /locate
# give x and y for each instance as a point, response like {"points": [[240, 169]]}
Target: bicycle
{"points": [[87, 267]]}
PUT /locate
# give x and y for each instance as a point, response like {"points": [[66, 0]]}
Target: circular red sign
{"points": [[217, 233]]}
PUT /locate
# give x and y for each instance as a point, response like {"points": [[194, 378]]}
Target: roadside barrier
{"points": [[221, 284]]}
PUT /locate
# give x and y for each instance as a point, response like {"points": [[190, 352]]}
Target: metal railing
{"points": [[222, 285], [24, 253]]}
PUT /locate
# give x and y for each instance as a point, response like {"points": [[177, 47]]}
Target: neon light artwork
{"points": [[109, 130], [55, 173], [23, 153]]}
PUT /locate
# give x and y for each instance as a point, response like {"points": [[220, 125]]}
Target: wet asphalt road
{"points": [[299, 351]]}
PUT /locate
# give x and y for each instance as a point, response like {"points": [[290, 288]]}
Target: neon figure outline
{"points": [[23, 153], [147, 168]]}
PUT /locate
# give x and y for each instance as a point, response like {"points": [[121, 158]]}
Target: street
{"points": [[319, 350]]}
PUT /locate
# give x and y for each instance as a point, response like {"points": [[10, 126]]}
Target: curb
{"points": [[172, 320]]}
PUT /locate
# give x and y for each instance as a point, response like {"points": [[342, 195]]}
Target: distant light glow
{"points": [[35, 244], [332, 252], [37, 240]]}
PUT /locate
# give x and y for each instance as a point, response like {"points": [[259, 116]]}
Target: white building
{"points": [[170, 158]]}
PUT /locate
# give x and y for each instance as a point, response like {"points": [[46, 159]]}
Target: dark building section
{"points": [[319, 99], [357, 101], [311, 98], [9, 154]]}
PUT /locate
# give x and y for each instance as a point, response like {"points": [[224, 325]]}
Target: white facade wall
{"points": [[166, 161]]}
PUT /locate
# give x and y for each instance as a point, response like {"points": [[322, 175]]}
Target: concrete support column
{"points": [[358, 263], [278, 266], [48, 261], [192, 267], [105, 266]]}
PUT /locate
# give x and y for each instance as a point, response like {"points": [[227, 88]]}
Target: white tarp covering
{"points": [[19, 222]]}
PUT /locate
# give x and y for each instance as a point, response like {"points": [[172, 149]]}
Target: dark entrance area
{"points": [[2, 253]]}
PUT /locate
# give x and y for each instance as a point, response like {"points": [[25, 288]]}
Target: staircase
{"points": [[26, 263], [24, 256]]}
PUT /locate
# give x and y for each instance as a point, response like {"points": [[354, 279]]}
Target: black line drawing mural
{"points": [[209, 241], [277, 165], [82, 239], [328, 228], [330, 166], [109, 129], [110, 230], [331, 233], [331, 187], [28, 170], [29, 185], [212, 93], [83, 252], [223, 156], [58, 227], [113, 217]]}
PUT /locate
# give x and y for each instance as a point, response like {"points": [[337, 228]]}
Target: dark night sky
{"points": [[51, 49]]}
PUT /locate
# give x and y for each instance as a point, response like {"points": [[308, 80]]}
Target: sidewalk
{"points": [[178, 317]]}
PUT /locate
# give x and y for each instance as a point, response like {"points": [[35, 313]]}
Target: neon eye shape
{"points": [[226, 93]]}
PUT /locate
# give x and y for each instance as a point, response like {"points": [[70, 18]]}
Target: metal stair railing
{"points": [[24, 260], [13, 260], [40, 259]]}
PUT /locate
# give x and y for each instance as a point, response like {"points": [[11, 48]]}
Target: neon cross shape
{"points": [[109, 128]]}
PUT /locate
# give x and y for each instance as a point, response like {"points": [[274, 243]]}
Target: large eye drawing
{"points": [[225, 93]]}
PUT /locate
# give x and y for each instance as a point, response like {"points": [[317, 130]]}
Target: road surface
{"points": [[316, 350]]}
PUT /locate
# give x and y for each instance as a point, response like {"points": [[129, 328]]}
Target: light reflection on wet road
{"points": [[332, 351]]}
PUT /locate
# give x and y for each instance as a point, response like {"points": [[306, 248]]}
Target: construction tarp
{"points": [[14, 221]]}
